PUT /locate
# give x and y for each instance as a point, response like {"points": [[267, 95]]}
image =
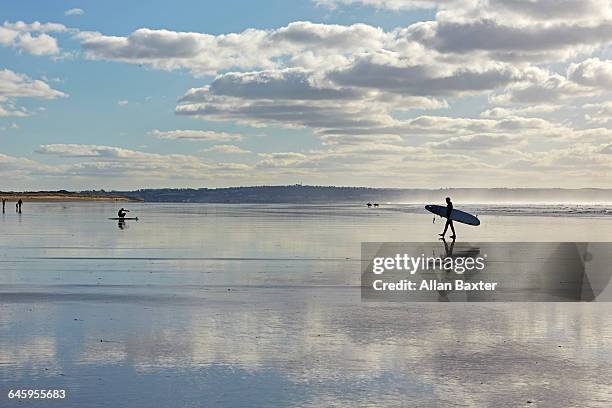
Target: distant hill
{"points": [[331, 194]]}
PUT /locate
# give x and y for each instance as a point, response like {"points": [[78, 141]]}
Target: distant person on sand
{"points": [[3, 205], [449, 210], [19, 204], [122, 212]]}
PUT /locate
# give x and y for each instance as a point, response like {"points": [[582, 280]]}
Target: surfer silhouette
{"points": [[121, 213], [449, 222]]}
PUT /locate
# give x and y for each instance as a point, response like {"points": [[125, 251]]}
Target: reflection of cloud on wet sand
{"points": [[32, 352], [331, 349]]}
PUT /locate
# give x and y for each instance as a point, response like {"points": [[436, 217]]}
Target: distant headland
{"points": [[307, 194], [63, 195]]}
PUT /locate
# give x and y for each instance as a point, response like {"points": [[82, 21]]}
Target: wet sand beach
{"points": [[260, 306]]}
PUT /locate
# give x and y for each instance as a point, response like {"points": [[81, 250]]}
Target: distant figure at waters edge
{"points": [[19, 204], [121, 213], [3, 205], [449, 222]]}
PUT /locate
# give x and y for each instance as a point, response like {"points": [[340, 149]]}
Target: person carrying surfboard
{"points": [[449, 222], [121, 213]]}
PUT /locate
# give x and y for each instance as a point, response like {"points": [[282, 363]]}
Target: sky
{"points": [[382, 93]]}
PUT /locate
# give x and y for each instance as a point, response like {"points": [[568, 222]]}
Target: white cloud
{"points": [[203, 53], [533, 110], [74, 12], [599, 113], [543, 88], [281, 159], [199, 135], [14, 85], [478, 142], [122, 102], [36, 26], [12, 111], [592, 72], [111, 161], [21, 166], [226, 149], [42, 44], [104, 152], [19, 35]]}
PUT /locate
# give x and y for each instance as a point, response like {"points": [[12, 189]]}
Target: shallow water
{"points": [[259, 305]]}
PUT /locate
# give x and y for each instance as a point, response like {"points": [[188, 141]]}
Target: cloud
{"points": [[104, 152], [293, 83], [532, 42], [281, 159], [203, 53], [291, 113], [12, 111], [111, 161], [598, 113], [345, 106], [42, 44], [21, 166], [388, 72], [122, 102], [352, 139], [197, 135], [549, 10], [74, 12], [533, 110], [542, 88], [296, 98], [285, 98], [36, 26], [14, 85], [477, 142], [592, 72], [19, 35], [226, 149]]}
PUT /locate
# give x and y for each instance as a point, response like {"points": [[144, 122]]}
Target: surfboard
{"points": [[126, 218], [456, 215]]}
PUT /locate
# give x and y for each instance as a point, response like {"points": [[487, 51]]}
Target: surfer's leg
{"points": [[445, 228], [452, 229]]}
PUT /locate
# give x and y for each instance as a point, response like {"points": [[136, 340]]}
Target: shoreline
{"points": [[57, 197]]}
